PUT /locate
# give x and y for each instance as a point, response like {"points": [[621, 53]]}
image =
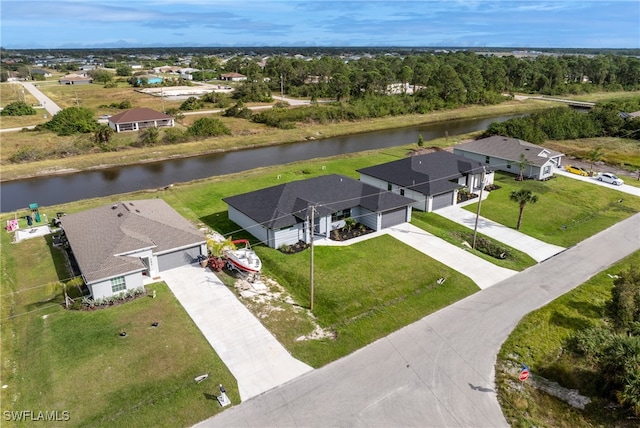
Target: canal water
{"points": [[52, 190]]}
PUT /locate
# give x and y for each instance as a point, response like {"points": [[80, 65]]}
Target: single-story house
{"points": [[75, 79], [139, 118], [280, 215], [117, 246], [505, 154], [233, 77], [41, 72], [431, 180]]}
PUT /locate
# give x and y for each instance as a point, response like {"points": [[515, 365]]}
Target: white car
{"points": [[608, 177]]}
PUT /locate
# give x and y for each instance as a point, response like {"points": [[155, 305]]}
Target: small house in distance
{"points": [[140, 118], [280, 215], [505, 154], [75, 79], [233, 77]]}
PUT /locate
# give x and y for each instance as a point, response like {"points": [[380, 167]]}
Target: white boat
{"points": [[243, 258]]}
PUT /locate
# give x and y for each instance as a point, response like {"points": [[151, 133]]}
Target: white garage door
{"points": [[178, 258], [442, 200]]}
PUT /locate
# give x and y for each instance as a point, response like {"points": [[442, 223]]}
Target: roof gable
{"points": [[429, 174], [287, 204], [509, 149]]}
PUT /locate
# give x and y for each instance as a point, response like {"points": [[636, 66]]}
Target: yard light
{"points": [[475, 228]]}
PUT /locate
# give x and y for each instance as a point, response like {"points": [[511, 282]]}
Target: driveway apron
{"points": [[252, 354]]}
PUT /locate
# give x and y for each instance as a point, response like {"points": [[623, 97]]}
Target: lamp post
{"points": [[475, 227], [281, 87]]}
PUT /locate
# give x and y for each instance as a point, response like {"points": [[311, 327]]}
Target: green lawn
{"points": [[362, 292], [539, 340], [74, 361], [567, 212]]}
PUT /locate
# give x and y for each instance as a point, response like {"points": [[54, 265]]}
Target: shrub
{"points": [[174, 136], [18, 108], [27, 154], [208, 127], [191, 103], [72, 120]]}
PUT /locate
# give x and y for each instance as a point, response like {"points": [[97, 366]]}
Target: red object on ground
{"points": [[216, 263]]}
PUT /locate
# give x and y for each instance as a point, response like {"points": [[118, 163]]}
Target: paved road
{"points": [[439, 371], [44, 100]]}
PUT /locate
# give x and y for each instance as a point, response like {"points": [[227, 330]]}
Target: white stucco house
{"points": [[431, 180], [504, 154], [280, 215], [117, 246]]}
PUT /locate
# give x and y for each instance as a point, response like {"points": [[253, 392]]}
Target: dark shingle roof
{"points": [[96, 236], [287, 204], [509, 149], [138, 115], [429, 174]]}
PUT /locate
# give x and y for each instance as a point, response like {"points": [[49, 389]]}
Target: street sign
{"points": [[524, 375]]}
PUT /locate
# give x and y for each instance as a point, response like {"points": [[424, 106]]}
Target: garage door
{"points": [[442, 200], [178, 258], [394, 217]]}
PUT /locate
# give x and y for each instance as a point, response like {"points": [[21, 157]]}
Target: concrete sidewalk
{"points": [[256, 359], [535, 248]]}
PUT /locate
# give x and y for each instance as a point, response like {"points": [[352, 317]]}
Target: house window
{"points": [[341, 215], [508, 166], [401, 192], [547, 170], [486, 159], [118, 284], [389, 187]]}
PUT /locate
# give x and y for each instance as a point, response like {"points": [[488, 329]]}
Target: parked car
{"points": [[577, 170], [608, 177]]}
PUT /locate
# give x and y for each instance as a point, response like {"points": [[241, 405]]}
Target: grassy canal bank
{"points": [[245, 135]]}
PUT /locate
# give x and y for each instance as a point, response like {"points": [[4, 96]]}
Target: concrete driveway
{"points": [[537, 249], [625, 188], [483, 273], [480, 271], [257, 360]]}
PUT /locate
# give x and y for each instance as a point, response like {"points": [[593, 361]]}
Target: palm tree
{"points": [[102, 134], [522, 197], [523, 163], [594, 156]]}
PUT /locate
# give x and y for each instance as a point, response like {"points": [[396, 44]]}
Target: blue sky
{"points": [[480, 23]]}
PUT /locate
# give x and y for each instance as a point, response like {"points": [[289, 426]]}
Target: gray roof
{"points": [[287, 204], [509, 149], [98, 235], [429, 174]]}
